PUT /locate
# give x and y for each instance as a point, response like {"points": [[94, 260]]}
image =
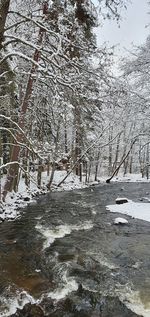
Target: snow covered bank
{"points": [[15, 201], [129, 178], [135, 210]]}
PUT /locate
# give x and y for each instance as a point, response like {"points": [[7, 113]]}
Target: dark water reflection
{"points": [[94, 255]]}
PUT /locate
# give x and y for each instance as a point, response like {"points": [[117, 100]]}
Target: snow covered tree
{"points": [[50, 45], [135, 78]]}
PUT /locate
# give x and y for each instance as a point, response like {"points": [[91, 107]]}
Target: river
{"points": [[65, 256]]}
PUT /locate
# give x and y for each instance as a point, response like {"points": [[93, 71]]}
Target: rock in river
{"points": [[120, 200], [29, 311]]}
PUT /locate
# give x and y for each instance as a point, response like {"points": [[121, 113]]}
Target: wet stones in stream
{"points": [[83, 303], [120, 201], [29, 311]]}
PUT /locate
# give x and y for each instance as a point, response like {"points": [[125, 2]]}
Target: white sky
{"points": [[132, 27]]}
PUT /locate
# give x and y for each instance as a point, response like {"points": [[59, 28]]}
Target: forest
{"points": [[61, 106]]}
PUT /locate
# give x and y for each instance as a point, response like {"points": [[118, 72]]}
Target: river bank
{"points": [[10, 210], [15, 202]]}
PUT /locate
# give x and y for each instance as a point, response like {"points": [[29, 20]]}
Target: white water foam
{"points": [[133, 301], [9, 305], [70, 285], [60, 231]]}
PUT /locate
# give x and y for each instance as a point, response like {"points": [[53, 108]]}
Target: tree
{"points": [[52, 51], [4, 6], [136, 74]]}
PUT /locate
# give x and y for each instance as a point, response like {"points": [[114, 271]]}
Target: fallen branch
{"points": [[124, 158], [80, 158]]}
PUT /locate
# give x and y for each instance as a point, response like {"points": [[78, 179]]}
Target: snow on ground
{"points": [[15, 201], [133, 209], [71, 182], [128, 178]]}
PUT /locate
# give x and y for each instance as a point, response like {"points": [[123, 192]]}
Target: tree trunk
{"points": [[39, 173], [89, 171], [4, 7], [131, 164], [48, 165], [26, 168], [78, 138], [117, 152], [13, 169], [86, 172], [147, 161], [54, 159], [97, 165], [110, 151], [8, 101], [65, 132]]}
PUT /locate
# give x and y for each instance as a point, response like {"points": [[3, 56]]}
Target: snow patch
{"points": [[130, 178], [135, 210], [11, 209]]}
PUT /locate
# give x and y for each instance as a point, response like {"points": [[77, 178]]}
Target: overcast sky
{"points": [[132, 27]]}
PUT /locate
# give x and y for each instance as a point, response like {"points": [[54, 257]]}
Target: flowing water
{"points": [[66, 256]]}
